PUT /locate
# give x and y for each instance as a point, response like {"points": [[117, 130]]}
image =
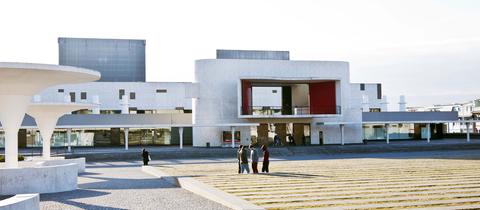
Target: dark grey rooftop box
{"points": [[253, 54]]}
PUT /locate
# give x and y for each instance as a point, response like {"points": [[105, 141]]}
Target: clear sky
{"points": [[428, 50]]}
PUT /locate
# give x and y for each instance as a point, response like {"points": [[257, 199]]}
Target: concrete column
{"points": [[69, 139], [233, 136], [12, 111], [180, 133], [387, 128], [126, 138], [468, 131], [428, 132], [342, 133]]}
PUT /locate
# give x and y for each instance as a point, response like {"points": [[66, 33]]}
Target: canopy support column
{"points": [[468, 131], [342, 133], [387, 128], [126, 138], [233, 136], [428, 132], [180, 133], [69, 139]]}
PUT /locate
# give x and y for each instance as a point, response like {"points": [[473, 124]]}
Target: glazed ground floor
{"points": [[104, 137], [269, 133]]}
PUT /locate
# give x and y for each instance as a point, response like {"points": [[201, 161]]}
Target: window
{"points": [[132, 95], [362, 87], [161, 90], [83, 95], [72, 96], [274, 91], [61, 90], [121, 93], [374, 109], [379, 91]]}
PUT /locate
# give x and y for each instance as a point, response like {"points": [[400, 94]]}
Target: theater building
{"points": [[253, 96]]}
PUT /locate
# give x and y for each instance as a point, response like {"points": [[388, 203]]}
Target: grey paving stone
{"points": [[124, 186]]}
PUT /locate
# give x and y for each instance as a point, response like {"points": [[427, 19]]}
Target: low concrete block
{"points": [[43, 179], [203, 190], [22, 201], [79, 161]]}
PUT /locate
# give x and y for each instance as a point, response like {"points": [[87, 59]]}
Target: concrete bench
{"points": [[79, 161], [22, 201], [42, 179]]}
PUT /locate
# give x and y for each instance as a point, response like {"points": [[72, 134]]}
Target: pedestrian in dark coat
{"points": [[254, 158], [145, 157], [266, 159]]}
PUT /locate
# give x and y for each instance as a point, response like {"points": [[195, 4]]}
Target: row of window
{"points": [[379, 90], [121, 93]]}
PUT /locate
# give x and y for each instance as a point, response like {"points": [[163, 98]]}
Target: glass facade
{"points": [[116, 59], [104, 137], [59, 138], [137, 137], [396, 131], [2, 139]]}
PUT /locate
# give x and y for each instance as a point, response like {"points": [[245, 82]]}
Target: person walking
{"points": [[145, 157], [244, 160], [254, 158], [276, 141], [266, 159], [239, 158]]}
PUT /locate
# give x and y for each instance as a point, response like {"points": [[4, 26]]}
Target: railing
{"points": [[287, 110]]}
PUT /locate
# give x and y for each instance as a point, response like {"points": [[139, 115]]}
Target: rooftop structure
{"points": [[118, 60]]}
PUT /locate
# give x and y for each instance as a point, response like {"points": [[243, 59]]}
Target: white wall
{"points": [[370, 91], [146, 96], [265, 96]]}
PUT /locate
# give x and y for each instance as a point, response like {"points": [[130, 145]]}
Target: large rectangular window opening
{"points": [[273, 97]]}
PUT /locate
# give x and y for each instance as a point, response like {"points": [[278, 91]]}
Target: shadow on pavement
{"points": [[123, 183], [68, 197]]}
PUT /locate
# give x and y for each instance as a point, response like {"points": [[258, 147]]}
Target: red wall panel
{"points": [[322, 98], [246, 97]]}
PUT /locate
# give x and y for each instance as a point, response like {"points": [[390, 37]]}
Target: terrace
{"points": [[289, 98]]}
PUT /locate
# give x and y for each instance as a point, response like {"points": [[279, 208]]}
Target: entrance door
{"points": [[320, 136]]}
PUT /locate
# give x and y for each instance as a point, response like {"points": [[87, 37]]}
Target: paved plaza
{"points": [[371, 181], [122, 185]]}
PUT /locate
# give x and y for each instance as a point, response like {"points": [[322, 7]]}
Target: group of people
{"points": [[243, 154]]}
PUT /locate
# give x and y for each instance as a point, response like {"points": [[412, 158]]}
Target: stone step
{"points": [[419, 184], [454, 202], [246, 184], [452, 193], [424, 186], [364, 193], [383, 202]]}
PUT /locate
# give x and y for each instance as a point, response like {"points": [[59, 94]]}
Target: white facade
{"points": [[368, 95], [219, 97], [159, 96]]}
